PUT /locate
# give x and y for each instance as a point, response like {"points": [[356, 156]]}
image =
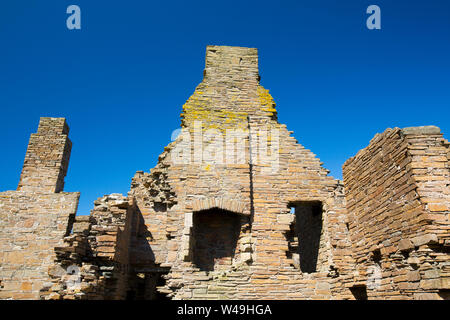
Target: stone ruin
{"points": [[197, 228]]}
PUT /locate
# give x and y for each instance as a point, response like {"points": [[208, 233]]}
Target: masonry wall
{"points": [[397, 192], [169, 197], [215, 218], [47, 158], [98, 253], [35, 219]]}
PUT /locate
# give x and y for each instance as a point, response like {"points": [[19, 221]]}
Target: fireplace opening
{"points": [[215, 236]]}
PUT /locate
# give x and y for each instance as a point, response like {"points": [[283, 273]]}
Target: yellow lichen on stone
{"points": [[197, 108], [265, 100]]}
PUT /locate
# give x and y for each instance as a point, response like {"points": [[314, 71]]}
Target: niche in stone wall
{"points": [[144, 286], [359, 292], [304, 236], [215, 234]]}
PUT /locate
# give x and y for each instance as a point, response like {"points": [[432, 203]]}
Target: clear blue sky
{"points": [[122, 79]]}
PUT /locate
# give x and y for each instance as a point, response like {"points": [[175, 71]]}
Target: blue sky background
{"points": [[122, 79]]}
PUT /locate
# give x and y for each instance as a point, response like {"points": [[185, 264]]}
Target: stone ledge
{"points": [[423, 130]]}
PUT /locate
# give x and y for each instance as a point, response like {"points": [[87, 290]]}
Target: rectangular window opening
{"points": [[304, 237]]}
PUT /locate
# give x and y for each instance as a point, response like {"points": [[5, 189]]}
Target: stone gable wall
{"points": [[230, 97]]}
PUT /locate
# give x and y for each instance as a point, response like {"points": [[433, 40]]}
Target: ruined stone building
{"points": [[235, 208]]}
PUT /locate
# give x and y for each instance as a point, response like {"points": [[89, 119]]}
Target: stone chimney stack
{"points": [[226, 64], [47, 158]]}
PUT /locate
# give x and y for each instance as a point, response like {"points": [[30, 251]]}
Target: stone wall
{"points": [[235, 208], [398, 199], [261, 266], [47, 158], [35, 219], [93, 262]]}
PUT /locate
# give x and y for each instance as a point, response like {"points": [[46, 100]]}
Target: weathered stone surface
{"points": [[47, 157], [35, 219], [102, 271], [425, 239], [397, 193], [270, 224], [405, 245], [421, 130]]}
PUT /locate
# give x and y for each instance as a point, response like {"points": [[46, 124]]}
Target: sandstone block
{"points": [[425, 239]]}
